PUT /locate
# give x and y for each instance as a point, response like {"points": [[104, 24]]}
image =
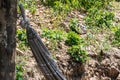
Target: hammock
{"points": [[46, 64]]}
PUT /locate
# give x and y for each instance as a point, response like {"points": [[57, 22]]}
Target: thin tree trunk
{"points": [[8, 14]]}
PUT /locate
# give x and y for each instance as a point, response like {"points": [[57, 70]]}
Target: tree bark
{"points": [[8, 16]]}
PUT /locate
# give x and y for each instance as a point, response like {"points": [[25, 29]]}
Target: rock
{"points": [[37, 12], [62, 25], [65, 26], [93, 63], [58, 57], [64, 64], [117, 55], [60, 45], [117, 18], [105, 61], [83, 29]]}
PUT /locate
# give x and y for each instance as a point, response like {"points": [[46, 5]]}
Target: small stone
{"points": [[105, 62], [83, 28], [117, 55]]}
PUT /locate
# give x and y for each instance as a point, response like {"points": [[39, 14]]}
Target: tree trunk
{"points": [[8, 17]]}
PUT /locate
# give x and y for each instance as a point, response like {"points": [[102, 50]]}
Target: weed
{"points": [[116, 40], [117, 0], [54, 37], [22, 39], [74, 24], [73, 39], [53, 34], [99, 18], [19, 71], [21, 35], [67, 5], [115, 28], [77, 53], [62, 6], [100, 4], [48, 2], [53, 46]]}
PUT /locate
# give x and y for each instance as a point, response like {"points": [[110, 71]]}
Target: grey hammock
{"points": [[46, 64]]}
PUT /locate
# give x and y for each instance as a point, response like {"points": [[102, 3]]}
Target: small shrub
{"points": [[19, 72], [73, 24], [77, 53], [48, 2], [21, 35], [117, 0], [117, 35], [53, 34], [73, 39], [60, 8], [67, 5], [22, 39], [116, 40], [100, 4], [99, 18]]}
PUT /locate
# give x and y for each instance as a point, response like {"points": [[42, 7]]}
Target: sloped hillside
{"points": [[83, 39]]}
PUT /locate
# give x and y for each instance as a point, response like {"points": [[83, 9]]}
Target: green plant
{"points": [[30, 5], [77, 53], [117, 0], [73, 39], [67, 5], [22, 39], [74, 24], [116, 40], [62, 6], [21, 35], [53, 34], [19, 71], [54, 37], [99, 18], [48, 2], [87, 4]]}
